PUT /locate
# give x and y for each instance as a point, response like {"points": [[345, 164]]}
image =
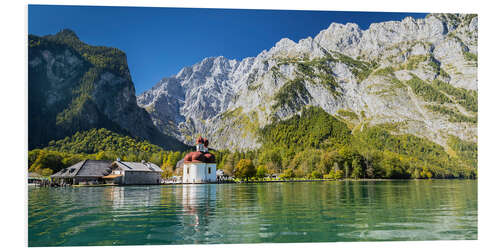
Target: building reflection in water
{"points": [[132, 196], [169, 214], [198, 202]]}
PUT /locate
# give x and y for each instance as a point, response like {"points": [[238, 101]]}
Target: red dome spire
{"points": [[202, 140]]}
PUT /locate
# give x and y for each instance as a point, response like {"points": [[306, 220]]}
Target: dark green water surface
{"points": [[250, 213]]}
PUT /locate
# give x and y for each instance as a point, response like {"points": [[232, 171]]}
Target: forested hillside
{"points": [[73, 86], [316, 144]]}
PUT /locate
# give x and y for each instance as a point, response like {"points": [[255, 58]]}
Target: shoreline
{"points": [[263, 181]]}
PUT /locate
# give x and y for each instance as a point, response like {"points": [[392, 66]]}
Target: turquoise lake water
{"points": [[251, 213]]}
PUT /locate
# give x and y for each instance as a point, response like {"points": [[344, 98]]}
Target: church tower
{"points": [[200, 165]]}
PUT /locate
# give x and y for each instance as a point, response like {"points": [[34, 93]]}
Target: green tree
{"points": [[329, 160], [48, 159], [245, 169], [100, 156], [316, 175], [261, 172], [156, 158], [272, 159], [171, 160], [425, 173], [288, 174], [47, 172], [357, 168], [337, 174], [32, 156], [346, 168], [229, 164], [177, 157], [72, 159]]}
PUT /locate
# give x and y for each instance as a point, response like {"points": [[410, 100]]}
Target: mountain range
{"points": [[415, 76]]}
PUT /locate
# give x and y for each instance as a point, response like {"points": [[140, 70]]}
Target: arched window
{"points": [[209, 170]]}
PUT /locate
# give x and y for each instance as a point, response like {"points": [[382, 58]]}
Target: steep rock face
{"points": [[74, 87], [414, 76]]}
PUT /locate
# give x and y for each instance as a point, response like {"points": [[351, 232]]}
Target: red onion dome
{"points": [[199, 157], [209, 158], [194, 157]]}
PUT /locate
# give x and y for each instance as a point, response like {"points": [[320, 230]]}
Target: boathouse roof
{"points": [[85, 168], [138, 166]]}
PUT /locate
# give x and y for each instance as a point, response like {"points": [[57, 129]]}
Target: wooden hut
{"points": [[83, 172], [133, 173], [101, 172]]}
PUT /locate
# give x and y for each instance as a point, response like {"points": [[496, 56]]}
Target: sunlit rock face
{"points": [[343, 68], [71, 90]]}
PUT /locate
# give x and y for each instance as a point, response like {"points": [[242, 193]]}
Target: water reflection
{"points": [[273, 212], [139, 196], [198, 203]]}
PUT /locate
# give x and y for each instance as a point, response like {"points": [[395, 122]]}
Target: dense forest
{"points": [[312, 144], [318, 145]]}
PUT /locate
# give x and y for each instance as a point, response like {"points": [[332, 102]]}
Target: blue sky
{"points": [[161, 41]]}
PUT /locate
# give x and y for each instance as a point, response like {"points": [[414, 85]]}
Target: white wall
{"points": [[198, 173], [212, 177]]}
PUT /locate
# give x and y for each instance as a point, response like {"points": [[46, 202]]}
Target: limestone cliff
{"points": [[416, 76]]}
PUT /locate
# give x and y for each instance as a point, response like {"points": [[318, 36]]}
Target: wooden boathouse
{"points": [[91, 172]]}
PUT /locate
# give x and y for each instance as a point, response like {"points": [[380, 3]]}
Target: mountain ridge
{"points": [[73, 86], [367, 72]]}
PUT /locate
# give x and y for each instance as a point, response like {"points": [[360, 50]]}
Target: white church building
{"points": [[199, 166]]}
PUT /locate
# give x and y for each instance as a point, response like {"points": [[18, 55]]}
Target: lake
{"points": [[328, 211]]}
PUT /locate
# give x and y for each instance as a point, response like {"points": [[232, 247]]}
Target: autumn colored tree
{"points": [[245, 169]]}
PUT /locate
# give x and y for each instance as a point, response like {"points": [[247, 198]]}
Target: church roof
{"points": [[199, 157]]}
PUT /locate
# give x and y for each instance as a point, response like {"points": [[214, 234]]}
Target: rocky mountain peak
{"points": [[75, 87], [67, 33], [376, 75]]}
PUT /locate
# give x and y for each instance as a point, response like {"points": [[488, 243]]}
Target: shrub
{"points": [[316, 175]]}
